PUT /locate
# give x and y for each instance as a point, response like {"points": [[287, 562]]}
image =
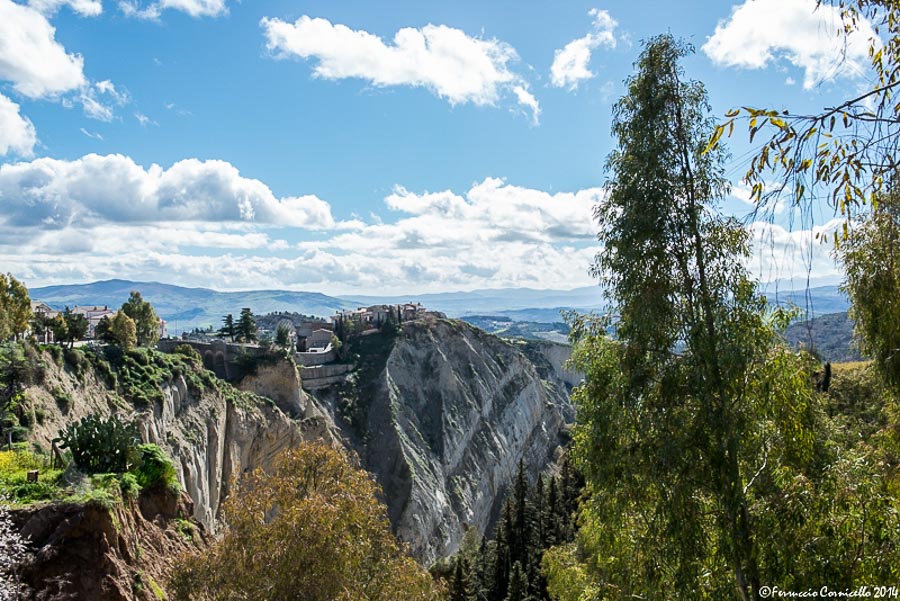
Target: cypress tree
{"points": [[459, 588], [521, 550], [518, 584]]}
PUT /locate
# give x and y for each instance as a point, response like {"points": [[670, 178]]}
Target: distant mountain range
{"points": [[498, 301], [188, 308]]}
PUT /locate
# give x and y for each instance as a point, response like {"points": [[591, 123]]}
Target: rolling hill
{"points": [[188, 308]]}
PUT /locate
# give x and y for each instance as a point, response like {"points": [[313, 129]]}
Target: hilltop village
{"points": [[314, 343]]}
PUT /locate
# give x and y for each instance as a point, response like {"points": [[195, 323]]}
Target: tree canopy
{"points": [[15, 308], [228, 329], [311, 529], [246, 326], [871, 261], [146, 321]]}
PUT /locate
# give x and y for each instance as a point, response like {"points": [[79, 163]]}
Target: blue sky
{"points": [[346, 147]]}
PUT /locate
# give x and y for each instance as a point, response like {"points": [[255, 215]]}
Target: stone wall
{"points": [[310, 359], [323, 376]]}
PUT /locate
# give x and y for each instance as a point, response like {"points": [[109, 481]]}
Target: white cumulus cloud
{"points": [[31, 58], [201, 223], [571, 63], [85, 8], [761, 32], [445, 60], [95, 189], [195, 8], [17, 133]]}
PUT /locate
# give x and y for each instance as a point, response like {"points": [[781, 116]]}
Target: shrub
{"points": [[129, 485], [63, 400], [154, 467], [77, 362], [56, 352], [99, 445]]}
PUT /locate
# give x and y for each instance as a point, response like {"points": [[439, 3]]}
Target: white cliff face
{"points": [[213, 441], [455, 411], [215, 438], [213, 434]]}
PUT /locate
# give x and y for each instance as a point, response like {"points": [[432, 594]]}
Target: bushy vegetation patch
{"points": [[107, 465], [99, 445], [14, 484], [153, 468]]}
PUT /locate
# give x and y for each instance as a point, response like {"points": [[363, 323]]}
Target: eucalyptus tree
{"points": [[695, 400], [871, 260]]}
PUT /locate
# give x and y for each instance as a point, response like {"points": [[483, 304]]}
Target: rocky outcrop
{"points": [[212, 432], [280, 382], [121, 552], [551, 361], [449, 418]]}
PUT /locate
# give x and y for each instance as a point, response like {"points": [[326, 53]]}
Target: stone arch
{"points": [[209, 361], [220, 365]]}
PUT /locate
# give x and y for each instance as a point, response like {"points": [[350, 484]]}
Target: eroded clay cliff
{"points": [[449, 417]]}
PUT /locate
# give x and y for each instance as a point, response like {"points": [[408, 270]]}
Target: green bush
{"points": [[99, 445], [188, 351], [129, 485], [63, 400], [56, 352], [154, 467], [77, 362]]}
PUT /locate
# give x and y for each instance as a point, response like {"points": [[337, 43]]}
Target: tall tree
{"points": [[123, 330], [459, 585], [16, 372], [871, 260], [59, 328], [677, 414], [246, 326], [146, 321], [15, 307], [283, 336], [518, 584], [70, 327], [228, 329]]}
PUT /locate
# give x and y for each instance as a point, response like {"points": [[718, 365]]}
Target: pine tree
{"points": [[520, 545], [459, 586], [502, 555], [518, 584], [228, 329], [539, 505], [481, 573], [246, 326]]}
